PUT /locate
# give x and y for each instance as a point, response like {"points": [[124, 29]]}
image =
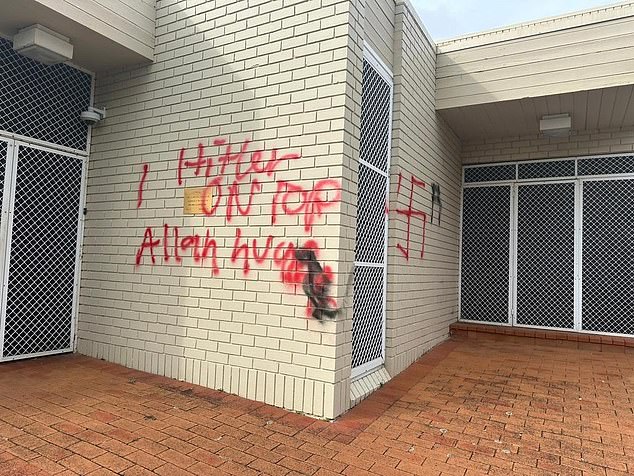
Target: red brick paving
{"points": [[486, 406]]}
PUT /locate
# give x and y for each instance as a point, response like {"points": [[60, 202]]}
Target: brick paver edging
{"points": [[577, 340]]}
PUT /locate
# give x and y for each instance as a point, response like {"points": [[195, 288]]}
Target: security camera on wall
{"points": [[93, 115]]}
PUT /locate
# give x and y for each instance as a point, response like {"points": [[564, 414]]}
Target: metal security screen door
{"points": [[43, 149], [42, 204], [368, 321], [545, 255], [608, 256], [486, 222], [569, 244]]}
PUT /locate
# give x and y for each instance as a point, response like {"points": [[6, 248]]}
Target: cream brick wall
{"points": [[378, 16], [422, 287], [268, 76], [348, 215], [580, 143]]}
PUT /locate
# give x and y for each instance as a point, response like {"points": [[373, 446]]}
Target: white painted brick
{"points": [[240, 361]]}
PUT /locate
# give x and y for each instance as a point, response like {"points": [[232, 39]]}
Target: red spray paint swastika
{"points": [[410, 212]]}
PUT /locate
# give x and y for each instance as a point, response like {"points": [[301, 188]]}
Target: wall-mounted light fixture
{"points": [[556, 125], [93, 115], [42, 44]]}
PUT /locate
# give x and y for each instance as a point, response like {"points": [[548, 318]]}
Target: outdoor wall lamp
{"points": [[556, 125]]}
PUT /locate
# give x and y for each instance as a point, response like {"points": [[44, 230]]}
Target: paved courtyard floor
{"points": [[468, 407]]}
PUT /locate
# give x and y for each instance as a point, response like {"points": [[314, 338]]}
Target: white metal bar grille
{"points": [[546, 255], [368, 315], [608, 256], [484, 279], [582, 167], [368, 321], [371, 199], [43, 253], [43, 102]]}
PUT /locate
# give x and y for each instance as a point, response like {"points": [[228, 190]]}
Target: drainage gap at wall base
{"points": [[366, 384]]}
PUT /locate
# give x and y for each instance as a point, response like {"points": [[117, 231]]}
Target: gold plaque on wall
{"points": [[193, 201]]}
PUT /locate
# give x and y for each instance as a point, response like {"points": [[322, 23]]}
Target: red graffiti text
{"points": [[234, 178]]}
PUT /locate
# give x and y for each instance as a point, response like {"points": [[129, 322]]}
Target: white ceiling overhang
{"points": [[606, 108], [103, 37], [501, 83]]}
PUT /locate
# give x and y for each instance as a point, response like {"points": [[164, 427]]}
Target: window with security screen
{"points": [[552, 246], [546, 255], [41, 101]]}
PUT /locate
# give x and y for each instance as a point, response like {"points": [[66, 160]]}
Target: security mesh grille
{"points": [[608, 256], [371, 199], [43, 102], [546, 255], [367, 316], [376, 98], [39, 306], [491, 173], [484, 280], [369, 313], [606, 165], [556, 168]]}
